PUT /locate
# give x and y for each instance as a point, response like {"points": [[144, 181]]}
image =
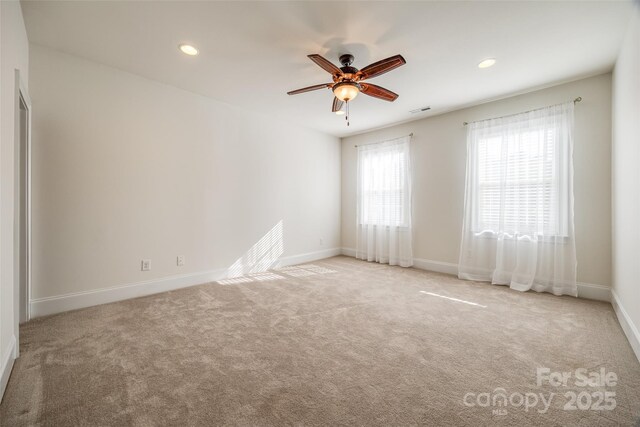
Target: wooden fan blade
{"points": [[378, 92], [310, 88], [325, 64], [337, 104], [381, 67]]}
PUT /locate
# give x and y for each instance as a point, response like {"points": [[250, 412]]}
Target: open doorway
{"points": [[22, 205]]}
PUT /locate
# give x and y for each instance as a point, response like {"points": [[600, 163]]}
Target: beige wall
{"points": [[126, 168], [626, 176], [439, 156], [14, 51]]}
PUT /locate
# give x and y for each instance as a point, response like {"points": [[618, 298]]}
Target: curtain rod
{"points": [[380, 142], [578, 99]]}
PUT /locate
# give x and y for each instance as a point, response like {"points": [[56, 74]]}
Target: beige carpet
{"points": [[338, 342]]}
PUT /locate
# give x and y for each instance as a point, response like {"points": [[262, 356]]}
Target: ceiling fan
{"points": [[348, 80]]}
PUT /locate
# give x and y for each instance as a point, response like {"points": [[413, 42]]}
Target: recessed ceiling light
{"points": [[487, 63], [188, 49]]}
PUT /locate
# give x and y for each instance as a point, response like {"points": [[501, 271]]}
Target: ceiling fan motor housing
{"points": [[349, 71]]}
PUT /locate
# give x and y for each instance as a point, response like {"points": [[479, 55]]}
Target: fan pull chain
{"points": [[346, 117]]}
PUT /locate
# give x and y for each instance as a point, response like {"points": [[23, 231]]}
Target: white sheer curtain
{"points": [[383, 229], [518, 216]]}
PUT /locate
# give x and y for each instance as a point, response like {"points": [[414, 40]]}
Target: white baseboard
{"points": [[630, 330], [422, 264], [60, 303], [437, 266], [73, 301], [7, 365], [349, 252], [593, 291], [309, 257], [585, 290]]}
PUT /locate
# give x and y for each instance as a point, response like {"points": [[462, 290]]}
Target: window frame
{"points": [[401, 223], [479, 226]]}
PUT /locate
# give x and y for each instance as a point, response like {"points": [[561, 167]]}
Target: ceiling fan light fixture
{"points": [[346, 91], [340, 112]]}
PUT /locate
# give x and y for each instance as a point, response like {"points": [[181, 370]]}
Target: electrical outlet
{"points": [[180, 260], [145, 265]]}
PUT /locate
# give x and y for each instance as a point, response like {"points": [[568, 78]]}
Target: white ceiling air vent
{"points": [[420, 110]]}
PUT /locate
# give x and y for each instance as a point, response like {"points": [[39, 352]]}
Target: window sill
{"points": [[489, 234], [402, 227]]}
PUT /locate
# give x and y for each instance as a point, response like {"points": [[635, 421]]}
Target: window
{"points": [[383, 232], [520, 178], [518, 205], [383, 184]]}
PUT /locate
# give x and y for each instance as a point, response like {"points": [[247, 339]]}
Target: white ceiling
{"points": [[252, 53]]}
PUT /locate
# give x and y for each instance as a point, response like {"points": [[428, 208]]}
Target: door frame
{"points": [[22, 97]]}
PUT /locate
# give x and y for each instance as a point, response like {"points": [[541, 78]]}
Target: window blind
{"points": [[518, 189]]}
